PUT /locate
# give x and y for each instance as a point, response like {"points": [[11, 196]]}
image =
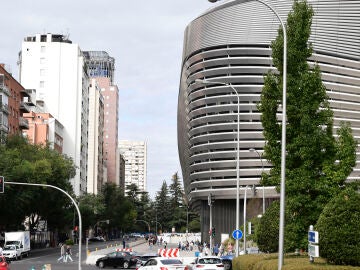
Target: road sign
{"points": [[313, 250], [237, 234], [313, 237]]}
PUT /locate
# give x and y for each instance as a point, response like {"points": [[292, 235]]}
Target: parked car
{"points": [[161, 263], [4, 264], [208, 263], [117, 259], [97, 239]]}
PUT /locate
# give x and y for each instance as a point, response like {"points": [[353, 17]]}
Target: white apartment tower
{"points": [[54, 66], [135, 156]]}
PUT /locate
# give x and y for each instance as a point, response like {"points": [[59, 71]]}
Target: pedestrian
{"points": [[216, 250], [68, 254], [124, 243], [62, 253]]}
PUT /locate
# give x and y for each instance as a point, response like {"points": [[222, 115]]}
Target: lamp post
{"points": [[283, 139], [262, 170], [237, 156]]}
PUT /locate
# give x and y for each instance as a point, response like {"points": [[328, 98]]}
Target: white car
{"points": [[208, 263], [162, 263]]}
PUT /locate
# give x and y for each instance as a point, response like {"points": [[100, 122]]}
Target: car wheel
{"points": [[101, 264], [126, 265]]}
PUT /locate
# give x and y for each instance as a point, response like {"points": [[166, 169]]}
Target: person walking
{"points": [[68, 254], [62, 253]]}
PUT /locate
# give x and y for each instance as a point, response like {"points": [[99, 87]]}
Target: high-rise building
{"points": [[54, 66], [135, 156], [95, 174], [101, 67], [230, 43]]}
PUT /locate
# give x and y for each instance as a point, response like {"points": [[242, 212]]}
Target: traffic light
{"points": [[251, 228], [213, 233], [2, 184]]}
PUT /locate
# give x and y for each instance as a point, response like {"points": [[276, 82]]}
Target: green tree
{"points": [[267, 230], [163, 211], [177, 205], [316, 163], [24, 162], [339, 229], [119, 209], [91, 208]]}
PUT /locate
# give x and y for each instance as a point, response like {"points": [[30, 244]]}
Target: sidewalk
{"points": [[93, 256]]}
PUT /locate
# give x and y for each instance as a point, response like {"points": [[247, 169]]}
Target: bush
{"points": [[339, 229], [267, 230]]}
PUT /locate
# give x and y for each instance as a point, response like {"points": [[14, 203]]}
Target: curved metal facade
{"points": [[231, 43]]}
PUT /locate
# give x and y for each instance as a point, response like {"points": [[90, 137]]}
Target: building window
{"points": [[42, 72], [42, 49], [42, 60], [42, 84]]}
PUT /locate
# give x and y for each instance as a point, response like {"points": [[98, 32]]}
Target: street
{"points": [[39, 258]]}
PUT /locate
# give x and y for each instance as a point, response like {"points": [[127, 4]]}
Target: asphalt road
{"points": [[38, 258]]}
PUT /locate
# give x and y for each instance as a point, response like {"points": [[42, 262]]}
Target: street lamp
{"points": [[262, 170], [283, 139], [238, 154]]}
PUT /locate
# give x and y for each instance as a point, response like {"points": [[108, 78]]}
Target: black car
{"points": [[117, 259]]}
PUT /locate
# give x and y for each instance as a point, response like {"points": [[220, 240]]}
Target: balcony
{"points": [[23, 123], [4, 89], [4, 108], [29, 96], [4, 128], [24, 107]]}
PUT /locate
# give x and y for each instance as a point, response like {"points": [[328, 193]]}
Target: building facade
{"points": [[96, 145], [230, 43], [44, 129], [54, 66], [101, 67], [14, 101], [135, 156]]}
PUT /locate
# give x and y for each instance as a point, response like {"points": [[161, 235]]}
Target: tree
{"points": [[316, 163], [119, 209], [339, 229], [177, 205], [163, 211], [24, 162], [91, 208], [267, 230]]}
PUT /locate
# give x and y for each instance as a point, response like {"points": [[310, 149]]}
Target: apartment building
{"points": [[135, 156], [101, 66], [55, 67]]}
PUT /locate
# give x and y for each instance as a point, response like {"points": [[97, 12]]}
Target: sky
{"points": [[145, 38]]}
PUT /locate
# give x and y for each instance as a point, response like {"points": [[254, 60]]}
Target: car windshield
{"points": [[170, 261], [209, 261], [9, 248]]}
